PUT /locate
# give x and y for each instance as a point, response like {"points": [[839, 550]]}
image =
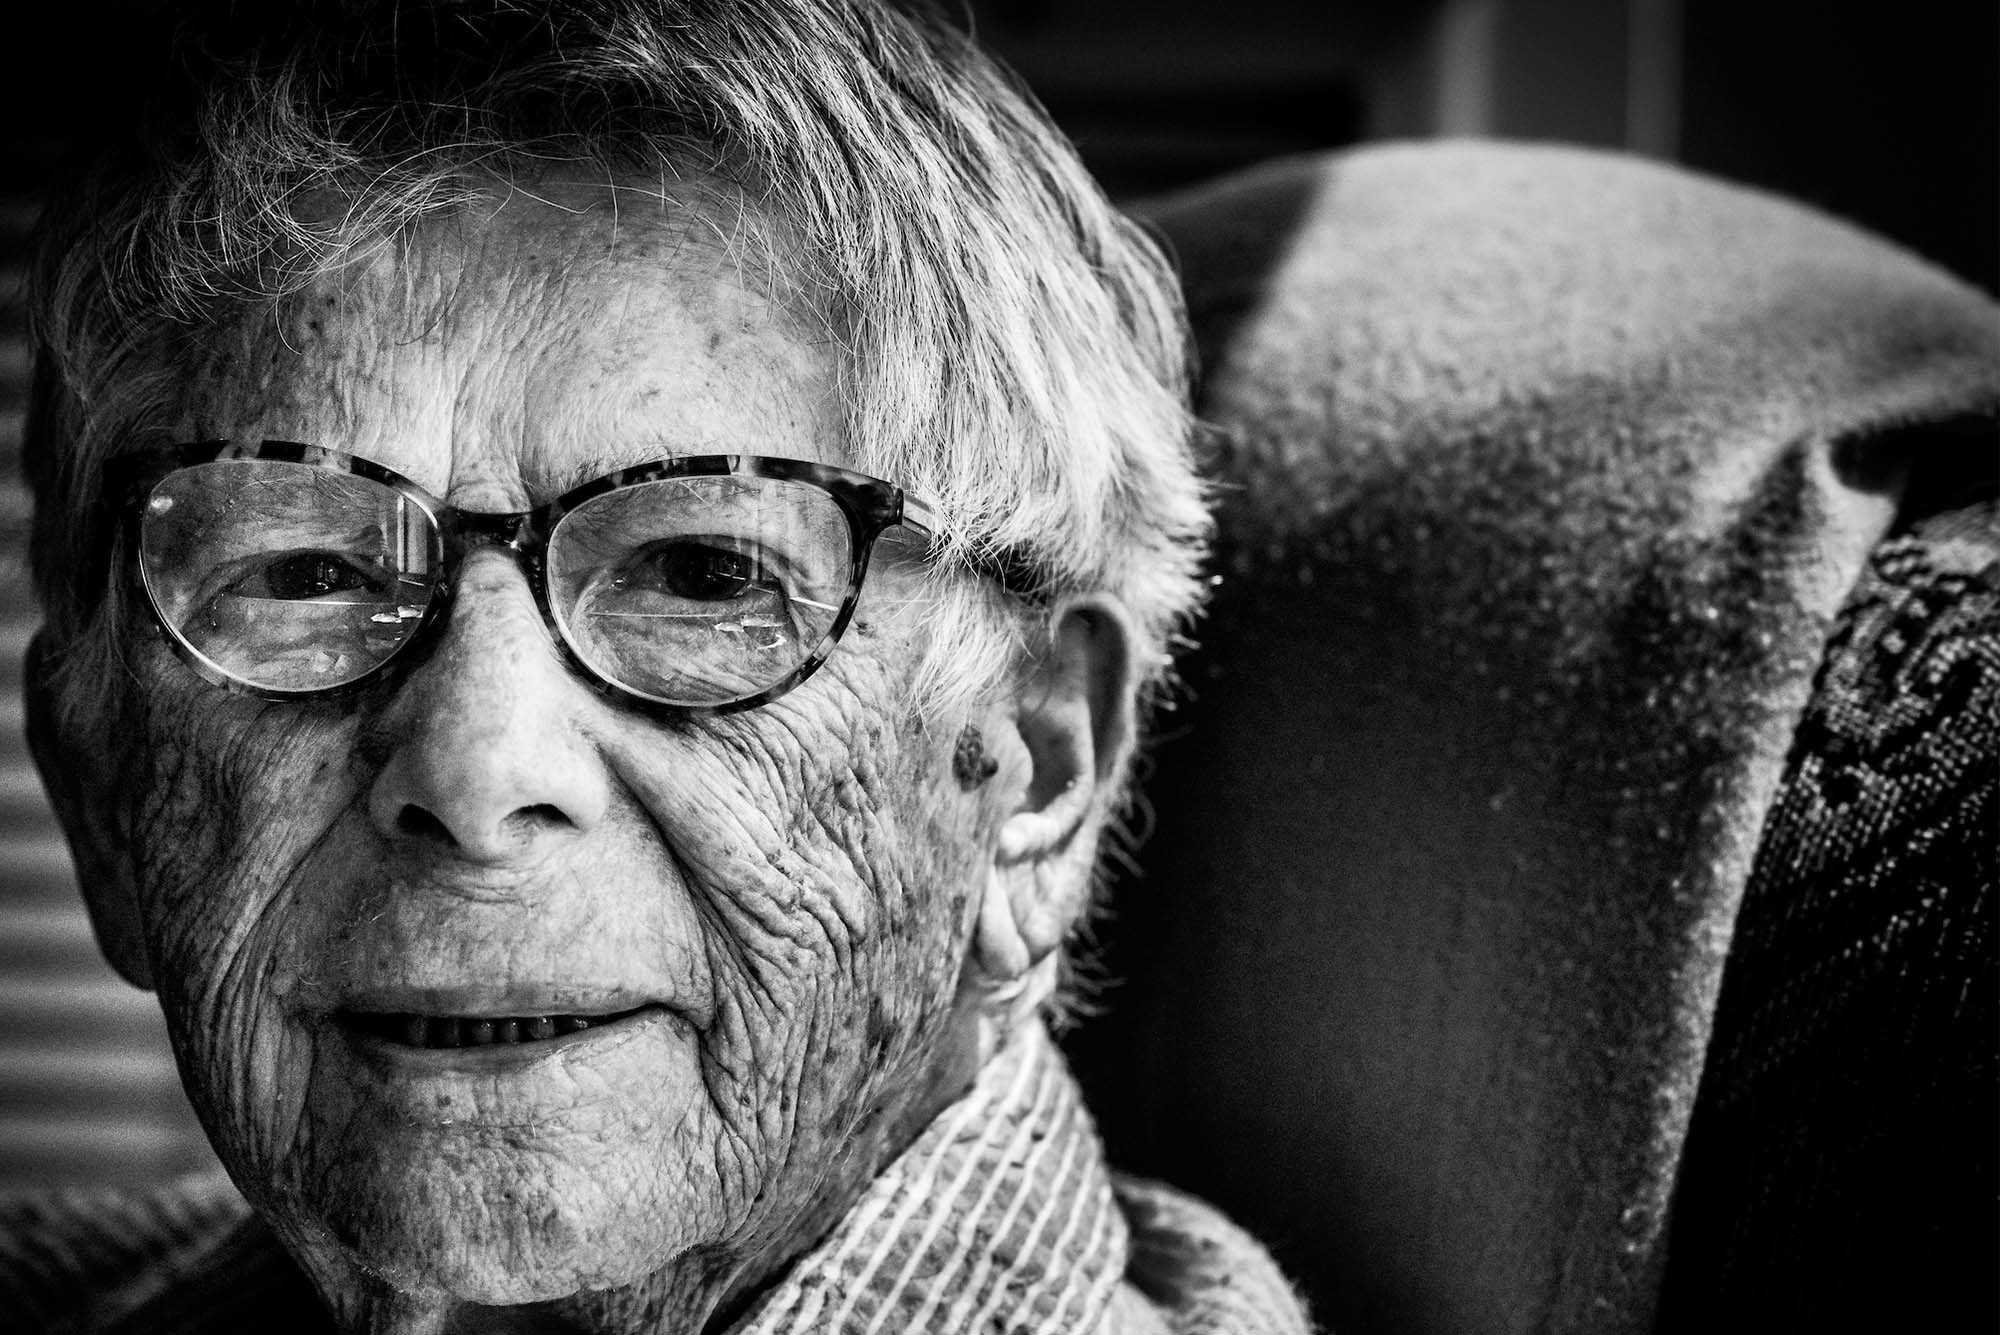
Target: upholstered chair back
{"points": [[1543, 478]]}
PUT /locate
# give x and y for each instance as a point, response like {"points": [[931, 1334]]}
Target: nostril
{"points": [[471, 832], [541, 814], [418, 823]]}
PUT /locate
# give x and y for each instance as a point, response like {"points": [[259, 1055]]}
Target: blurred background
{"points": [[1886, 114]]}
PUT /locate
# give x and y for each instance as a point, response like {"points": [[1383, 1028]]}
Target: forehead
{"points": [[530, 341]]}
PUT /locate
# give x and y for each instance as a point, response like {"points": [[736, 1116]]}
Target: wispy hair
{"points": [[1010, 345]]}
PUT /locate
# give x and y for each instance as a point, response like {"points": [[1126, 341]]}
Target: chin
{"points": [[503, 1177], [491, 1225]]}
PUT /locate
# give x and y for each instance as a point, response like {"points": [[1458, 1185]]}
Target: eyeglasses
{"points": [[707, 583]]}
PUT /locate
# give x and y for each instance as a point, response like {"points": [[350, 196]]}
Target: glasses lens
{"points": [[701, 590], [285, 576]]}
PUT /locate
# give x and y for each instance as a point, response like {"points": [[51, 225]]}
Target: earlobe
{"points": [[77, 782], [1075, 721]]}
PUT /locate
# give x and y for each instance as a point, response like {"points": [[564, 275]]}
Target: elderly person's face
{"points": [[780, 904]]}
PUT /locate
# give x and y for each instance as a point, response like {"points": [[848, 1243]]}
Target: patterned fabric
{"points": [[1207, 1276], [1842, 1166], [1001, 1219]]}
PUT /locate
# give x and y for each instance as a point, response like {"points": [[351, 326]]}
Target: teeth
{"points": [[446, 1031]]}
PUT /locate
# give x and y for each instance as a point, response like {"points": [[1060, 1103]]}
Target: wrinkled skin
{"points": [[797, 888]]}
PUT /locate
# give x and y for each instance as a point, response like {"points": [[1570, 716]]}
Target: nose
{"points": [[480, 750]]}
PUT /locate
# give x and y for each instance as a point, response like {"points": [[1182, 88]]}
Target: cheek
{"points": [[230, 797], [832, 858]]}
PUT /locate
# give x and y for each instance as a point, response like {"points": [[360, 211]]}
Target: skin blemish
{"points": [[883, 1030], [969, 762]]}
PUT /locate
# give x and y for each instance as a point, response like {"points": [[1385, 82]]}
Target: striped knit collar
{"points": [[999, 1218]]}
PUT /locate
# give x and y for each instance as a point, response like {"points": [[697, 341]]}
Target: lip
{"points": [[494, 1003], [602, 1035]]}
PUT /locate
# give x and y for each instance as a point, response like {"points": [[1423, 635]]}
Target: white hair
{"points": [[1013, 348]]}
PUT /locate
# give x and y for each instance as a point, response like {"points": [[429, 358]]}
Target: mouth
{"points": [[410, 1030]]}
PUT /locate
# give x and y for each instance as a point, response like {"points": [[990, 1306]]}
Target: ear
{"points": [[78, 775], [1074, 716]]}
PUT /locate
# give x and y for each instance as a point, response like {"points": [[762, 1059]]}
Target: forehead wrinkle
{"points": [[513, 355], [290, 369], [722, 372]]}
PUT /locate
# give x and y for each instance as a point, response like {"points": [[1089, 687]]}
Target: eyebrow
{"points": [[595, 466], [293, 499]]}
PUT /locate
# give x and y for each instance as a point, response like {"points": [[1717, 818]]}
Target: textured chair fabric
{"points": [[1542, 477], [1842, 1168]]}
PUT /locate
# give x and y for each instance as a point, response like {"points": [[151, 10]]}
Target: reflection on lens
{"points": [[286, 576], [701, 590]]}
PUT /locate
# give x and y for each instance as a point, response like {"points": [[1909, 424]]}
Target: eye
{"points": [[301, 576], [698, 572]]}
